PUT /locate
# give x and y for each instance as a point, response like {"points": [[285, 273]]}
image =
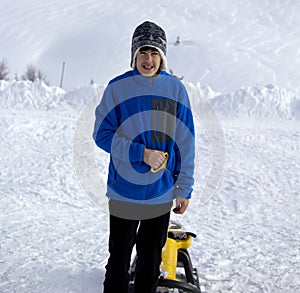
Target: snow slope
{"points": [[225, 44], [54, 236]]}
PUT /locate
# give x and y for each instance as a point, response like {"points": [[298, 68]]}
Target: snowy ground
{"points": [[53, 237]]}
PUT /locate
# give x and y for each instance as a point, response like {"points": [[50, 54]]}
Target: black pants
{"points": [[149, 236]]}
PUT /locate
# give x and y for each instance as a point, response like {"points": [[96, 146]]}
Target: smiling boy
{"points": [[148, 61], [144, 122]]}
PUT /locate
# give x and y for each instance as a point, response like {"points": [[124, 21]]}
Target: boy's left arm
{"points": [[185, 155]]}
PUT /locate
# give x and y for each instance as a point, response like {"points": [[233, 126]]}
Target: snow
{"points": [[233, 42], [245, 98]]}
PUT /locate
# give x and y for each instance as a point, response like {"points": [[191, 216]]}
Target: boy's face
{"points": [[148, 61]]}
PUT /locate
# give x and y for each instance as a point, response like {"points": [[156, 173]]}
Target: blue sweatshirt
{"points": [[138, 112]]}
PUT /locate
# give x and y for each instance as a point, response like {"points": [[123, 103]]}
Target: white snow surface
{"points": [[226, 44], [243, 81], [54, 237]]}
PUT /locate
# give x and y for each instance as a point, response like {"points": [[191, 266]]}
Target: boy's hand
{"points": [[181, 205], [153, 158]]}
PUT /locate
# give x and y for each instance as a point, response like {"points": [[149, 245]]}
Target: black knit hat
{"points": [[151, 35]]}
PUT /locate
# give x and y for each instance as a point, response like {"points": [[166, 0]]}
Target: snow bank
{"points": [[270, 102], [255, 102], [29, 95], [37, 95], [79, 97]]}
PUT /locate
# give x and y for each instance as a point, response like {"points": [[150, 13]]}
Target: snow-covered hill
{"points": [[256, 102], [54, 226], [224, 44]]}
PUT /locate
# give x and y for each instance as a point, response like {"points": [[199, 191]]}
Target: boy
{"points": [[145, 122]]}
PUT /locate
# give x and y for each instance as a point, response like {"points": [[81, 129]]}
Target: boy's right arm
{"points": [[106, 134]]}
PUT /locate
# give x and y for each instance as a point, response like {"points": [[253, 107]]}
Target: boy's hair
{"points": [[147, 48]]}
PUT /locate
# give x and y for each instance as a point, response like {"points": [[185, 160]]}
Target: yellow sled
{"points": [[177, 271]]}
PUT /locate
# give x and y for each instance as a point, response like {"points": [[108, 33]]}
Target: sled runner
{"points": [[177, 272]]}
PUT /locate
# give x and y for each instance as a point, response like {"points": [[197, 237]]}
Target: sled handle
{"points": [[163, 165]]}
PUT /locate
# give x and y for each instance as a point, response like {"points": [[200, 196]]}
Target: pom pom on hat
{"points": [[151, 35]]}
